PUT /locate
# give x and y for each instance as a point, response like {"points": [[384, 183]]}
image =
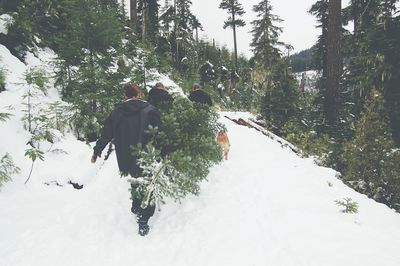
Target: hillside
{"points": [[264, 206]]}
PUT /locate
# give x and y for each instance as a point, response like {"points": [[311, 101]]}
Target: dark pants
{"points": [[142, 214]]}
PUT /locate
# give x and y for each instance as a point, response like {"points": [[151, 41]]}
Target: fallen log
{"points": [[252, 124]]}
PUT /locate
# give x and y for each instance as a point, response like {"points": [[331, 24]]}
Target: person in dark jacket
{"points": [[199, 96], [159, 96], [126, 126]]}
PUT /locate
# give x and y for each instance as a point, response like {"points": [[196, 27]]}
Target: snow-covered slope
{"points": [[264, 206]]}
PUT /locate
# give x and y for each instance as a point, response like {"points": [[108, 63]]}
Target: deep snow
{"points": [[264, 206]]}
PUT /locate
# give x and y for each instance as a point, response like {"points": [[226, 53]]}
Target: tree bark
{"points": [[144, 20], [133, 14], [334, 62]]}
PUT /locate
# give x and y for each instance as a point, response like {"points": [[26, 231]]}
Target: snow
{"points": [[5, 21], [264, 206], [311, 77], [172, 86]]}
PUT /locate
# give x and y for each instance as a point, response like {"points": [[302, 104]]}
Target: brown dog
{"points": [[223, 140]]}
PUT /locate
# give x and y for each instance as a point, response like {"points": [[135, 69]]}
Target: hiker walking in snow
{"points": [[159, 96], [199, 96], [126, 125]]}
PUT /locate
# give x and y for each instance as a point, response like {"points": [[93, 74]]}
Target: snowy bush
{"points": [[7, 169]]}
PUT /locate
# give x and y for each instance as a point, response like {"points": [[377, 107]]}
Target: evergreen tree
{"points": [[183, 44], [207, 73], [188, 136], [320, 11], [265, 35], [91, 41], [235, 10], [369, 158], [374, 57], [147, 20], [280, 103]]}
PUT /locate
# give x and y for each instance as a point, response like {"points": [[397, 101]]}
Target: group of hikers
{"points": [[127, 127]]}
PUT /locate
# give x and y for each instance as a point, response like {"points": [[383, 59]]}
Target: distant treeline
{"points": [[303, 60]]}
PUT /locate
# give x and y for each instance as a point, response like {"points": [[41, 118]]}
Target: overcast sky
{"points": [[298, 26]]}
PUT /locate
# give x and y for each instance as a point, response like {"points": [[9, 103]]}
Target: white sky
{"points": [[298, 26]]}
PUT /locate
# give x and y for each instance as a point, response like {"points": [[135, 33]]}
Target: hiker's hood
{"points": [[131, 107]]}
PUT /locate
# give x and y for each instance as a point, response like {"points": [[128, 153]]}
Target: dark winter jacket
{"points": [[127, 125], [200, 96], [159, 97]]}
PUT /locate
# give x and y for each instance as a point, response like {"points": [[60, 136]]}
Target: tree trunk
{"points": [[334, 64], [133, 14], [197, 45], [176, 30], [144, 20], [234, 41]]}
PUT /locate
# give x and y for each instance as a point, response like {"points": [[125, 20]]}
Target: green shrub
{"points": [[348, 204], [309, 142], [188, 138], [371, 161]]}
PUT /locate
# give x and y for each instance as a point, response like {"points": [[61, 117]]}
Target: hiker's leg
{"points": [[135, 206], [143, 219], [145, 214]]}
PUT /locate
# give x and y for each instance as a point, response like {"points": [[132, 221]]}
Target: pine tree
{"points": [[235, 10], [148, 20], [320, 11], [280, 103], [167, 17], [265, 35], [188, 137], [374, 57], [88, 47], [183, 43], [370, 156]]}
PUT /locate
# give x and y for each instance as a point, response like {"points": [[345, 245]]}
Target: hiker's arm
{"points": [[105, 138]]}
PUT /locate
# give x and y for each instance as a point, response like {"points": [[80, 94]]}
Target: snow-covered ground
{"points": [[264, 206], [308, 79]]}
